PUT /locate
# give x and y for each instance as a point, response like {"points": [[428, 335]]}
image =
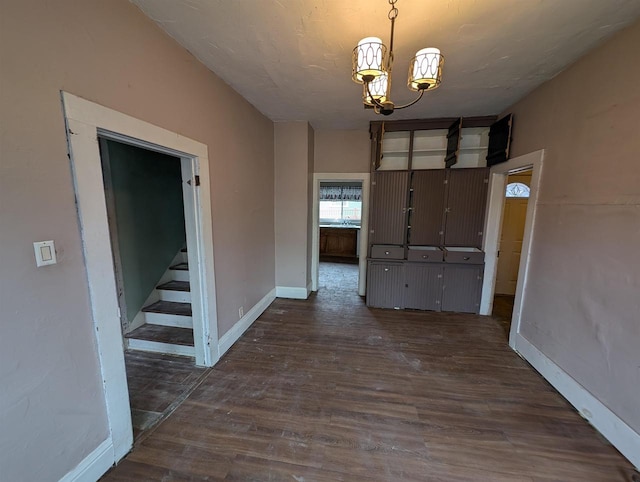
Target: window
{"points": [[339, 212], [340, 204], [517, 189]]}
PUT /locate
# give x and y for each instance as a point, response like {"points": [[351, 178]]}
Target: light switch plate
{"points": [[45, 252]]}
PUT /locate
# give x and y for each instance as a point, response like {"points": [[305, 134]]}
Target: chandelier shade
{"points": [[425, 69], [368, 59], [376, 90]]}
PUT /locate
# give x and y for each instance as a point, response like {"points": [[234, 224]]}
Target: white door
{"points": [[513, 220]]}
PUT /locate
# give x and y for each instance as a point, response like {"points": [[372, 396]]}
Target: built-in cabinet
{"points": [[437, 286], [338, 241], [428, 200]]}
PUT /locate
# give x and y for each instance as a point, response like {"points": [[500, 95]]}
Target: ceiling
{"points": [[292, 58]]}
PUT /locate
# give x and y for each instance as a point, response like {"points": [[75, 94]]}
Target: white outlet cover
{"points": [[45, 252]]}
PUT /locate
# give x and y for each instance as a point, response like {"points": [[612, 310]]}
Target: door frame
{"points": [[84, 122], [364, 177], [493, 228]]}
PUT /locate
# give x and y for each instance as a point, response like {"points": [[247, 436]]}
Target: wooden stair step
{"points": [[169, 308], [163, 334], [175, 286], [180, 267]]}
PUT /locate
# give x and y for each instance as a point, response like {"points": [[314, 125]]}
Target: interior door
{"points": [[513, 221]]}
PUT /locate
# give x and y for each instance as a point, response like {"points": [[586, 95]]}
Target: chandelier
{"points": [[372, 67]]}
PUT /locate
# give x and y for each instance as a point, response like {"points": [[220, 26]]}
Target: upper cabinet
{"points": [[465, 206], [428, 198], [440, 143], [395, 151], [389, 207]]}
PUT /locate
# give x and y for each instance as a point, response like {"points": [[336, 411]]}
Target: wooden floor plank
{"points": [[157, 383], [326, 389]]}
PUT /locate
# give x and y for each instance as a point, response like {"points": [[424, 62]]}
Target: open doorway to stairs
{"points": [[340, 228], [146, 193], [86, 122]]}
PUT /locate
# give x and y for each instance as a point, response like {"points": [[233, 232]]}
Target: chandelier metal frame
{"points": [[372, 67]]}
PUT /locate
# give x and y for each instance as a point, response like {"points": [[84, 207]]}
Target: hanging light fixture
{"points": [[372, 67]]}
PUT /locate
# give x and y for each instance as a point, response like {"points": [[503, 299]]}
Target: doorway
{"points": [[514, 216], [342, 232], [492, 231], [85, 121], [144, 194]]}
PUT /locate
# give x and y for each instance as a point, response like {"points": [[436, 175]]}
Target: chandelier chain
{"points": [[393, 13]]}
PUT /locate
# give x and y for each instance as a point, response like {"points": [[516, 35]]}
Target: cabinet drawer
{"points": [[463, 255], [425, 254], [382, 251]]}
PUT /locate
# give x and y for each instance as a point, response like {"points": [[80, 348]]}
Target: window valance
{"points": [[340, 193]]}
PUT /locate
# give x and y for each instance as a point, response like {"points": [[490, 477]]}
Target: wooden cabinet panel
{"points": [[338, 241], [427, 210], [462, 288], [385, 285], [388, 207], [466, 204], [423, 286]]}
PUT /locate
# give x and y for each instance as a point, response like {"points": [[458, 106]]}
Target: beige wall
{"points": [[52, 407], [342, 151], [582, 308], [293, 148]]}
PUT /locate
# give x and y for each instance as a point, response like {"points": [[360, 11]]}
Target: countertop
{"points": [[340, 226]]}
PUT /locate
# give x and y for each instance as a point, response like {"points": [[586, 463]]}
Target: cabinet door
{"points": [[427, 207], [453, 143], [466, 205], [385, 285], [499, 141], [423, 286], [388, 207], [462, 288]]}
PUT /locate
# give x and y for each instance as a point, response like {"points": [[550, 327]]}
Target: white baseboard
{"points": [[309, 290], [94, 465], [621, 436], [236, 331], [294, 293]]}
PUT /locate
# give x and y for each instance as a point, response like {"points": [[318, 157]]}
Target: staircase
{"points": [[168, 325]]}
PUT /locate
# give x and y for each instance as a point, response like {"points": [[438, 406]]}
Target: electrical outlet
{"points": [[240, 312]]}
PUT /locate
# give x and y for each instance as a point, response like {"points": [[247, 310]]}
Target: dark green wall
{"points": [[147, 190]]}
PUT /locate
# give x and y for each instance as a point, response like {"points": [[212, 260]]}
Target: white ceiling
{"points": [[292, 58]]}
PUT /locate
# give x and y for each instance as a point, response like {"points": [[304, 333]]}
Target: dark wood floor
{"points": [[157, 385], [329, 390], [502, 311]]}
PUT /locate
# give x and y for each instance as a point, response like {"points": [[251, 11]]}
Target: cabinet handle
{"points": [[387, 252], [386, 269], [466, 258], [424, 256]]}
